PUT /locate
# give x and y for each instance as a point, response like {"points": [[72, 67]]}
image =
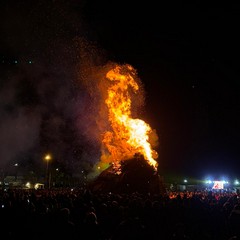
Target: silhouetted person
{"points": [[130, 229], [90, 228], [180, 232], [62, 226]]}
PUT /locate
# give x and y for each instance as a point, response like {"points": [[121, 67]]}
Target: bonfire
{"points": [[126, 144]]}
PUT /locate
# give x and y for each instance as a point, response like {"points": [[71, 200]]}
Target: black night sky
{"points": [[187, 56]]}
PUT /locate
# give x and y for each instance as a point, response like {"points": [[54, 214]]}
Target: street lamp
{"points": [[47, 158], [16, 172]]}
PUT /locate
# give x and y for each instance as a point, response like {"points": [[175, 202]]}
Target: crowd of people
{"points": [[82, 214]]}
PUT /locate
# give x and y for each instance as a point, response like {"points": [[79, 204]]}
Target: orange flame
{"points": [[128, 136]]}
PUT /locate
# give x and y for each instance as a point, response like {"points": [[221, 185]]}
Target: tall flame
{"points": [[128, 136]]}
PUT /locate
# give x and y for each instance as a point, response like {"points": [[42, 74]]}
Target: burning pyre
{"points": [[126, 144]]}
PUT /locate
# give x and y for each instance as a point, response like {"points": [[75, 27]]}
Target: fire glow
{"points": [[127, 136]]}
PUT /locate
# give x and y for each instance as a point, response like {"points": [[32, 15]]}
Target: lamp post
{"points": [[47, 158], [16, 172]]}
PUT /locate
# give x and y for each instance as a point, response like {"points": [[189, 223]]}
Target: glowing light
{"points": [[218, 185], [208, 182], [38, 186], [48, 157], [236, 182]]}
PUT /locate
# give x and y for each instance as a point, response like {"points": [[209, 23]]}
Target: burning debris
{"points": [[136, 176]]}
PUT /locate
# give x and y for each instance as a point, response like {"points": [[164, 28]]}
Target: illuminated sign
{"points": [[217, 185]]}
